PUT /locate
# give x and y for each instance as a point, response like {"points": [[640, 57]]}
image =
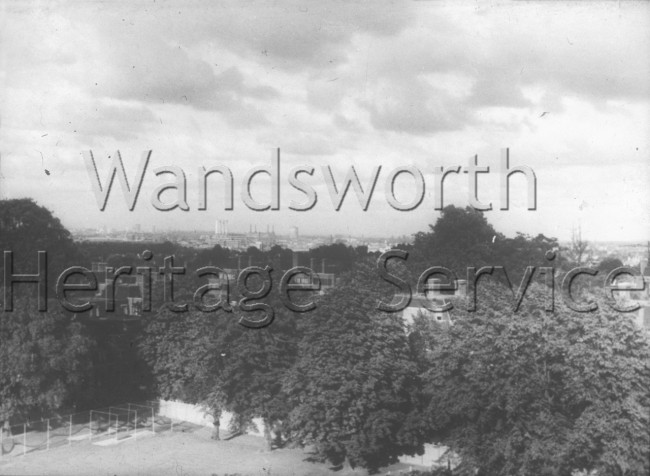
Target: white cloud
{"points": [[427, 84]]}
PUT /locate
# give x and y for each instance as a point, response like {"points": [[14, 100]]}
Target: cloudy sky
{"points": [[564, 86]]}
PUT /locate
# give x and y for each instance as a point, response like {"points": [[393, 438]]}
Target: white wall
{"points": [[198, 415], [430, 457]]}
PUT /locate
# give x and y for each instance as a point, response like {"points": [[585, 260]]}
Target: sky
{"points": [[565, 86]]}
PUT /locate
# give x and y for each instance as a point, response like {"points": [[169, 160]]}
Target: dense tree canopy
{"points": [[254, 362], [44, 358], [540, 393], [463, 238], [43, 355], [608, 264], [27, 228], [510, 392], [210, 359], [354, 390], [459, 238]]}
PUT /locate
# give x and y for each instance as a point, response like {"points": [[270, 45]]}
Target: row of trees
{"points": [[39, 373], [526, 392], [340, 378], [542, 393]]}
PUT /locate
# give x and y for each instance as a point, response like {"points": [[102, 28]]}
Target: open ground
{"points": [[178, 454]]}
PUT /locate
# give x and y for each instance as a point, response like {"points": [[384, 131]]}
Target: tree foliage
{"points": [[43, 361], [254, 363], [183, 353], [463, 238], [608, 264], [44, 356], [27, 228], [540, 393], [210, 359], [459, 238], [354, 389]]}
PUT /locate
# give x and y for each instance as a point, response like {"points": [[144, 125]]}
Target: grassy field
{"points": [[177, 454]]}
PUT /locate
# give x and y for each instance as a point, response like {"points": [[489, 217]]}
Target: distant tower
{"points": [[217, 227], [293, 233]]}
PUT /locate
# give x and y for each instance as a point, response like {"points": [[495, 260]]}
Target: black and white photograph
{"points": [[334, 238]]}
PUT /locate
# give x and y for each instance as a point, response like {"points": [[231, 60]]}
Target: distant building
{"points": [[433, 298], [128, 295], [420, 305], [221, 228]]}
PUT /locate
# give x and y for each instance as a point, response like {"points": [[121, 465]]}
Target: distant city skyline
{"points": [[424, 85]]}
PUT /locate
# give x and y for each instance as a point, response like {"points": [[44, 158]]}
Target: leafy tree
{"points": [[608, 264], [119, 374], [27, 228], [337, 256], [44, 356], [279, 257], [211, 359], [216, 256], [44, 359], [515, 254], [540, 393], [459, 238], [354, 389], [254, 363], [182, 351]]}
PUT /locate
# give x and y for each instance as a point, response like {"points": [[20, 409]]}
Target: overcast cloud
{"points": [[565, 86]]}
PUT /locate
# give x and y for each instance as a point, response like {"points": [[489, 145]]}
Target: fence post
{"points": [[153, 422], [135, 430], [70, 433], [24, 439], [90, 426], [47, 443]]}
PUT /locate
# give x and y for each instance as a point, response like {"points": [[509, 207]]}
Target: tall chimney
{"points": [[295, 259], [323, 266]]}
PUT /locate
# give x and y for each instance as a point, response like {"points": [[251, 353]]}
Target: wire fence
{"points": [[101, 426]]}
